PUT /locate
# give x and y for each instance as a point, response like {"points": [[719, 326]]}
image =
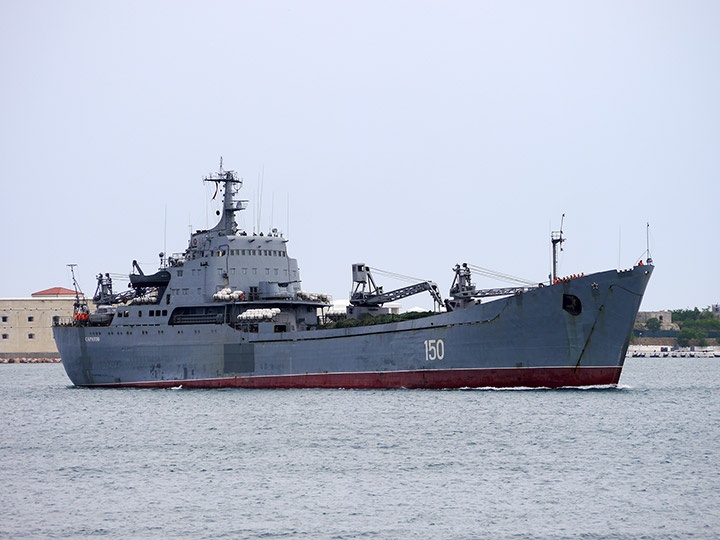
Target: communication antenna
{"points": [[165, 231], [556, 237], [261, 181]]}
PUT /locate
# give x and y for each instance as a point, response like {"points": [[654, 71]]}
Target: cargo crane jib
{"points": [[367, 298]]}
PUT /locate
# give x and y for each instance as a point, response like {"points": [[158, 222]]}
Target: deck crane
{"points": [[367, 298], [464, 294]]}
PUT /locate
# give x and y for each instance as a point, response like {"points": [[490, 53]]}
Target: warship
{"points": [[230, 311]]}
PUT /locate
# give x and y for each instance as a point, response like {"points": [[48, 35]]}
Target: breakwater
{"points": [[24, 360], [659, 351]]}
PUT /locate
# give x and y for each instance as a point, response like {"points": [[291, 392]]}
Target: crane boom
{"points": [[369, 299], [368, 294]]}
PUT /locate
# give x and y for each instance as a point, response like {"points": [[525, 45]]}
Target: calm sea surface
{"points": [[638, 461]]}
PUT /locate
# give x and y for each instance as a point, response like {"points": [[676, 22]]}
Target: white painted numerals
{"points": [[434, 349]]}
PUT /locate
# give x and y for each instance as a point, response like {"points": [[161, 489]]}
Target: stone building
{"points": [[665, 318], [25, 323]]}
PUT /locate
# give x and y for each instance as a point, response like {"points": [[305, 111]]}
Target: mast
{"points": [[79, 307], [230, 183], [556, 237]]}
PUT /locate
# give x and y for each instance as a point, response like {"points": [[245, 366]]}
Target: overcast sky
{"points": [[407, 135]]}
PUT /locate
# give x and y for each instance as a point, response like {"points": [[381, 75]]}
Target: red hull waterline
{"points": [[427, 379]]}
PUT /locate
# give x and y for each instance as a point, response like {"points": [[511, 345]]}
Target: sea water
{"points": [[638, 461]]}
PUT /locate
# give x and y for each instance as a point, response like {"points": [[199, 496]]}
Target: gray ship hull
{"points": [[572, 333]]}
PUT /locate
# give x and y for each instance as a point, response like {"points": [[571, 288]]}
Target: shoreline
{"points": [[656, 351], [24, 360]]}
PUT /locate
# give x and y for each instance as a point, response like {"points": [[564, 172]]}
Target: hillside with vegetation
{"points": [[695, 324]]}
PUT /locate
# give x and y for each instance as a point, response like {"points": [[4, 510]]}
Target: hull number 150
{"points": [[434, 349]]}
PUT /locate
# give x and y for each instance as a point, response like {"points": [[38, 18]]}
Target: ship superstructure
{"points": [[224, 273], [230, 312]]}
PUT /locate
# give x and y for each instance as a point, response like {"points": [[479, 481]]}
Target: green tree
{"points": [[689, 316], [653, 324], [686, 335], [706, 323]]}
